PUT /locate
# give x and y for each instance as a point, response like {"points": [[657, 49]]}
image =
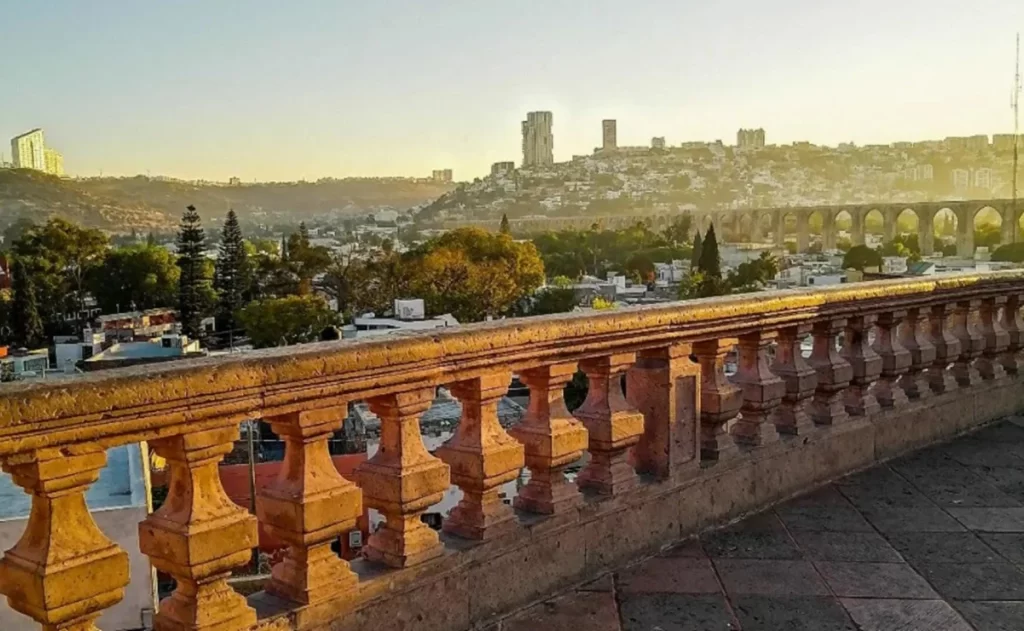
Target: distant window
{"points": [[810, 281]]}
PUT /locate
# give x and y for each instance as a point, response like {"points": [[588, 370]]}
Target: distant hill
{"points": [[38, 196], [143, 203]]}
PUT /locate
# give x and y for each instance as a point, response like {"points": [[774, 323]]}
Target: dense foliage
{"points": [[288, 320]]}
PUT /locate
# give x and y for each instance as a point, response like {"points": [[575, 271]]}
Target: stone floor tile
{"points": [[974, 581], [671, 612], [1010, 545], [793, 613], [875, 580], [965, 492], [825, 518], [881, 487], [572, 612], [918, 519], [679, 575], [982, 453], [942, 547], [770, 577], [846, 546], [758, 537], [1004, 432], [1005, 615], [904, 615], [1006, 479], [990, 519], [689, 548]]}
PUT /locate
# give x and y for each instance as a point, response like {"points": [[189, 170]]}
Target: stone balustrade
{"points": [[668, 439]]}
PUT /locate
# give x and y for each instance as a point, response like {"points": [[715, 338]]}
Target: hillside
{"points": [[143, 203], [38, 196]]}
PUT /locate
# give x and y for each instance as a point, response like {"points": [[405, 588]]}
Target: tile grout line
{"points": [[814, 566], [726, 597]]}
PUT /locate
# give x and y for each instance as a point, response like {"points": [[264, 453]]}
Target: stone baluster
{"points": [[482, 457], [613, 425], [198, 536], [866, 366], [720, 400], [800, 380], [947, 349], [63, 571], [834, 374], [922, 354], [895, 360], [552, 439], [664, 385], [308, 506], [402, 480], [995, 337], [1012, 360], [965, 367], [762, 390]]}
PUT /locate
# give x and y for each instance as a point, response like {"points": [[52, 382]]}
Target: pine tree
{"points": [[150, 239], [504, 229], [709, 261], [695, 254], [25, 321], [231, 273], [192, 285]]}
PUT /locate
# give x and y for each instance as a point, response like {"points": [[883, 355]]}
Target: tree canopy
{"points": [[135, 277], [860, 256], [288, 320]]}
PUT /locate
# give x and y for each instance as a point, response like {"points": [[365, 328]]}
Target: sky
{"points": [[270, 90]]}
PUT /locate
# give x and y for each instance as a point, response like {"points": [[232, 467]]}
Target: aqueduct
{"points": [[761, 221]]}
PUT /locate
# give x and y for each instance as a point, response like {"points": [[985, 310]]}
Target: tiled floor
{"points": [[932, 541]]}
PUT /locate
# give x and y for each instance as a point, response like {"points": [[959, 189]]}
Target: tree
{"points": [[231, 273], [135, 277], [860, 256], [678, 232], [472, 273], [1012, 252], [193, 282], [709, 262], [304, 260], [26, 325], [60, 256], [696, 252], [504, 229], [288, 320]]}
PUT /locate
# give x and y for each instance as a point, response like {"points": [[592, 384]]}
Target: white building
{"points": [[28, 151], [410, 315], [538, 140], [982, 178], [609, 134], [658, 142], [961, 179]]}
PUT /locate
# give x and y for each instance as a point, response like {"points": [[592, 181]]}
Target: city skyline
{"points": [[211, 92]]}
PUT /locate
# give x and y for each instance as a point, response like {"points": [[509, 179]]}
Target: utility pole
{"points": [[1015, 104]]}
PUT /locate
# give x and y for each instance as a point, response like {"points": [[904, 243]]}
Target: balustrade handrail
{"points": [[137, 403]]}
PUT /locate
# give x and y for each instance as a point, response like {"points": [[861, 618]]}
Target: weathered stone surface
{"points": [[199, 536], [866, 365], [613, 426], [482, 457], [64, 571], [401, 481], [552, 439], [762, 391], [309, 506], [720, 400], [896, 360], [800, 379], [834, 374], [664, 385]]}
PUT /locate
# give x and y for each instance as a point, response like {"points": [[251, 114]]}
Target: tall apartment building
{"points": [[441, 175], [609, 134], [28, 151], [538, 141], [54, 162], [982, 177], [658, 142], [961, 179], [750, 138]]}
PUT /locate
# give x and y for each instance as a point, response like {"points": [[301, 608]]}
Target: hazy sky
{"points": [[303, 89]]}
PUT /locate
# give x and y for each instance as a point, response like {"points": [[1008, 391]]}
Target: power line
{"points": [[1015, 104]]}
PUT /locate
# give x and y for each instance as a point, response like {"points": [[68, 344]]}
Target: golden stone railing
{"points": [[933, 335]]}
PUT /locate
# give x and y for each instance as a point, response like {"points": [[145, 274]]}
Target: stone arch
{"points": [[874, 226], [986, 227], [788, 222], [842, 226], [764, 223], [745, 228], [908, 221], [818, 223], [945, 228]]}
